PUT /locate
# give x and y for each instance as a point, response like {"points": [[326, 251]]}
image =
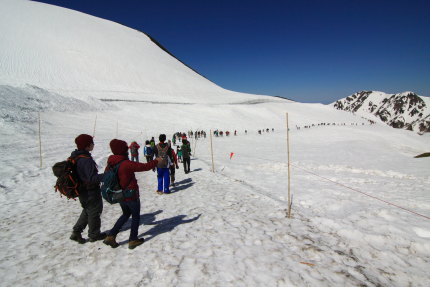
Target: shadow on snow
{"points": [[162, 226]]}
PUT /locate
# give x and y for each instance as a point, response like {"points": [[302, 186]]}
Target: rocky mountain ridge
{"points": [[405, 110]]}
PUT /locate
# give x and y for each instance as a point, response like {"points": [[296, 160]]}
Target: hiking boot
{"points": [[77, 237], [110, 240], [133, 244], [159, 191], [101, 236]]}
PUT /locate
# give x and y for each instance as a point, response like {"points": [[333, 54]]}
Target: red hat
{"points": [[83, 141], [118, 147]]}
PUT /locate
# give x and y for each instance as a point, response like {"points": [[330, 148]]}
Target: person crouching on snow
{"points": [[127, 181]]}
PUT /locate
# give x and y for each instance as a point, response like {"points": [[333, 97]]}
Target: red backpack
{"points": [[67, 178]]}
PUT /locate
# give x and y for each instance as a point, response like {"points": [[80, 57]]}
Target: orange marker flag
{"points": [[231, 154]]}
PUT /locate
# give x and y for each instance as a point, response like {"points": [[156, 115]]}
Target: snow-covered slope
{"points": [[75, 54], [405, 110]]}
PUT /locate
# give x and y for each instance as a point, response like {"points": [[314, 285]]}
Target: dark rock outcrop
{"points": [[404, 111]]}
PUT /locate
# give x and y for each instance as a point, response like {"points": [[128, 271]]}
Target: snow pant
{"points": [[135, 158], [172, 174], [187, 161], [163, 179], [92, 207], [128, 208]]}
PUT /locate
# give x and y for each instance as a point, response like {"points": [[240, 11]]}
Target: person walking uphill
{"points": [[186, 152], [127, 180], [89, 192], [163, 151]]}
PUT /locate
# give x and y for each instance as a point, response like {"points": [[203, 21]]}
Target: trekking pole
{"points": [[288, 151], [94, 131], [212, 153], [40, 143]]}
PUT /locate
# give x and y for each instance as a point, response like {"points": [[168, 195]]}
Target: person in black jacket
{"points": [[89, 192], [186, 153]]}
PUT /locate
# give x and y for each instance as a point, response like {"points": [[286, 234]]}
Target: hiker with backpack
{"points": [[179, 153], [186, 152], [152, 143], [172, 167], [127, 181], [134, 151], [148, 151], [89, 191], [163, 151]]}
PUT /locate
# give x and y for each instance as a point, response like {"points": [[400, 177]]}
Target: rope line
{"points": [[343, 185], [356, 190]]}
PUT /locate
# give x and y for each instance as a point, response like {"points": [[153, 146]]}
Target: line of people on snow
{"points": [[220, 133], [332, 124], [161, 157]]}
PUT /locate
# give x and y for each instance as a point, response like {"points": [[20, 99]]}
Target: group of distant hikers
{"points": [[159, 156]]}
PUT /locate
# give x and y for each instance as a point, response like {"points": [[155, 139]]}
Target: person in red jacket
{"points": [[134, 151], [172, 167], [127, 180]]}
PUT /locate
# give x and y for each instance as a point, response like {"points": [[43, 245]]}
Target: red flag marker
{"points": [[231, 154]]}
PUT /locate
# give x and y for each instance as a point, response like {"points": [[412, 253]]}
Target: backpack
{"points": [[110, 188], [148, 151], [68, 183], [162, 152]]}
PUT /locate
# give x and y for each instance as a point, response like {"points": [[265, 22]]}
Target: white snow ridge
{"points": [[361, 201]]}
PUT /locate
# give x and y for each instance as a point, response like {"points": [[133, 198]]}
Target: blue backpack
{"points": [[110, 188], [147, 150]]}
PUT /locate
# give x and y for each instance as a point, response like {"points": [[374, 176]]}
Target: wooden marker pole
{"points": [[289, 170], [95, 122], [40, 143], [212, 153]]}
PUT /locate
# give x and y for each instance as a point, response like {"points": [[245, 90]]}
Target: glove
{"points": [[177, 167]]}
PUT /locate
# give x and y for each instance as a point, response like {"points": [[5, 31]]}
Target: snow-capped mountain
{"points": [[72, 53], [404, 110]]}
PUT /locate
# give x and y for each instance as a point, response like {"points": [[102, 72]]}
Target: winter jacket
{"points": [[134, 147], [186, 150], [87, 171], [175, 159], [127, 179]]}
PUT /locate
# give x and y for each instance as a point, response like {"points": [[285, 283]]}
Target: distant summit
{"points": [[406, 110]]}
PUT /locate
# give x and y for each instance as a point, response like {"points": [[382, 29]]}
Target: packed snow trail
{"points": [[211, 231]]}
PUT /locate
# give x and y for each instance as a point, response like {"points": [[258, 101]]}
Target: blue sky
{"points": [[308, 51]]}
